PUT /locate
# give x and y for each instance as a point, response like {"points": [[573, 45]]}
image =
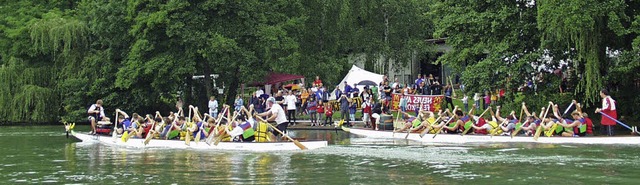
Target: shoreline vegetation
{"points": [[58, 57]]}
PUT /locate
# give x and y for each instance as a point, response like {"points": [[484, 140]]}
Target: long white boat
{"points": [[177, 144], [468, 139]]}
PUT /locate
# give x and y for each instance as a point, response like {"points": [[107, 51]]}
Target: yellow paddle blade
{"points": [[340, 123], [187, 138], [72, 125], [125, 135]]}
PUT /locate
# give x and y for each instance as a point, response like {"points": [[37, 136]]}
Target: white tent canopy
{"points": [[355, 76]]}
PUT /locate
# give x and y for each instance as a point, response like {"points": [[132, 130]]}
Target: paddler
{"points": [[124, 122], [454, 125], [571, 127], [532, 121], [176, 127], [275, 114], [244, 127], [510, 120], [410, 121], [480, 127]]}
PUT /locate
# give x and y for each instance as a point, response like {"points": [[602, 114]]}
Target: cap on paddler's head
{"points": [[271, 99]]}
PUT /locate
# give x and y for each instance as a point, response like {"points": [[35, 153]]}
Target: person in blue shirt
{"points": [[338, 92], [124, 122], [347, 88], [448, 95], [352, 111]]}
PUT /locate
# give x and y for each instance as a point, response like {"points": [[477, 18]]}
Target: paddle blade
{"points": [[197, 139], [297, 143], [537, 135], [125, 135], [516, 132], [187, 138], [146, 140]]}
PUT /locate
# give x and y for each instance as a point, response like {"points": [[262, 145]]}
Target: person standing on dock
{"points": [[213, 107], [608, 108], [344, 108]]}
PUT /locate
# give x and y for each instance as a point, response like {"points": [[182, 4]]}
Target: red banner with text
{"points": [[428, 102]]}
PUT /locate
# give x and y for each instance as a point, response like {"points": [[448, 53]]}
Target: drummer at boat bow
{"points": [[275, 114], [96, 113]]}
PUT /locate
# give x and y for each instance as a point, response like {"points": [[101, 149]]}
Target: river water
{"points": [[42, 154]]}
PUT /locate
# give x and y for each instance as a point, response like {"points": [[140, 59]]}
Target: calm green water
{"points": [[39, 155]]}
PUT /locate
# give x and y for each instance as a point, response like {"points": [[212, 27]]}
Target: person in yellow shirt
{"points": [[304, 96]]}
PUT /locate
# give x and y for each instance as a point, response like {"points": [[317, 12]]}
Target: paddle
{"points": [[426, 129], [445, 124], [519, 128], [409, 130], [149, 134], [495, 131], [555, 125], [115, 129], [296, 142], [431, 125], [467, 130], [229, 122], [197, 138], [539, 130], [453, 90], [394, 123], [617, 121], [211, 135]]}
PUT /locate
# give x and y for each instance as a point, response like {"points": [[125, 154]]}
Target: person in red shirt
{"points": [[608, 108], [320, 110], [317, 82], [328, 114], [366, 112]]}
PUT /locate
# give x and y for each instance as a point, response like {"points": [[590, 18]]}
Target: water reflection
{"points": [[48, 157]]}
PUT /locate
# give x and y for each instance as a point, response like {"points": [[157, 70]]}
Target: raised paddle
{"points": [[394, 123], [495, 131], [519, 128], [296, 142], [539, 130], [211, 135], [229, 122], [555, 125], [149, 134], [115, 129], [445, 124], [467, 130]]}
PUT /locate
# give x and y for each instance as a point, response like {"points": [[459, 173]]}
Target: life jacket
{"points": [[415, 122], [466, 120], [261, 132], [481, 122], [582, 128]]}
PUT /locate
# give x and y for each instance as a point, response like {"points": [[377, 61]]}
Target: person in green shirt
{"points": [[374, 89]]}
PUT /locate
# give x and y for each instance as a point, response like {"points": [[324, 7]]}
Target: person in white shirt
{"points": [[213, 107], [259, 92], [96, 113], [290, 101], [465, 101], [275, 114]]}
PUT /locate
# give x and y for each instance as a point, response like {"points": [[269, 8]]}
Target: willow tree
{"points": [[60, 41], [580, 28]]}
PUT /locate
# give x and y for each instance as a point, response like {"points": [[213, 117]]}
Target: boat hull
{"points": [[470, 139], [176, 144]]}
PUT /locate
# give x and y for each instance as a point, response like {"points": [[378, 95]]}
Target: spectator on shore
{"points": [[317, 82]]}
